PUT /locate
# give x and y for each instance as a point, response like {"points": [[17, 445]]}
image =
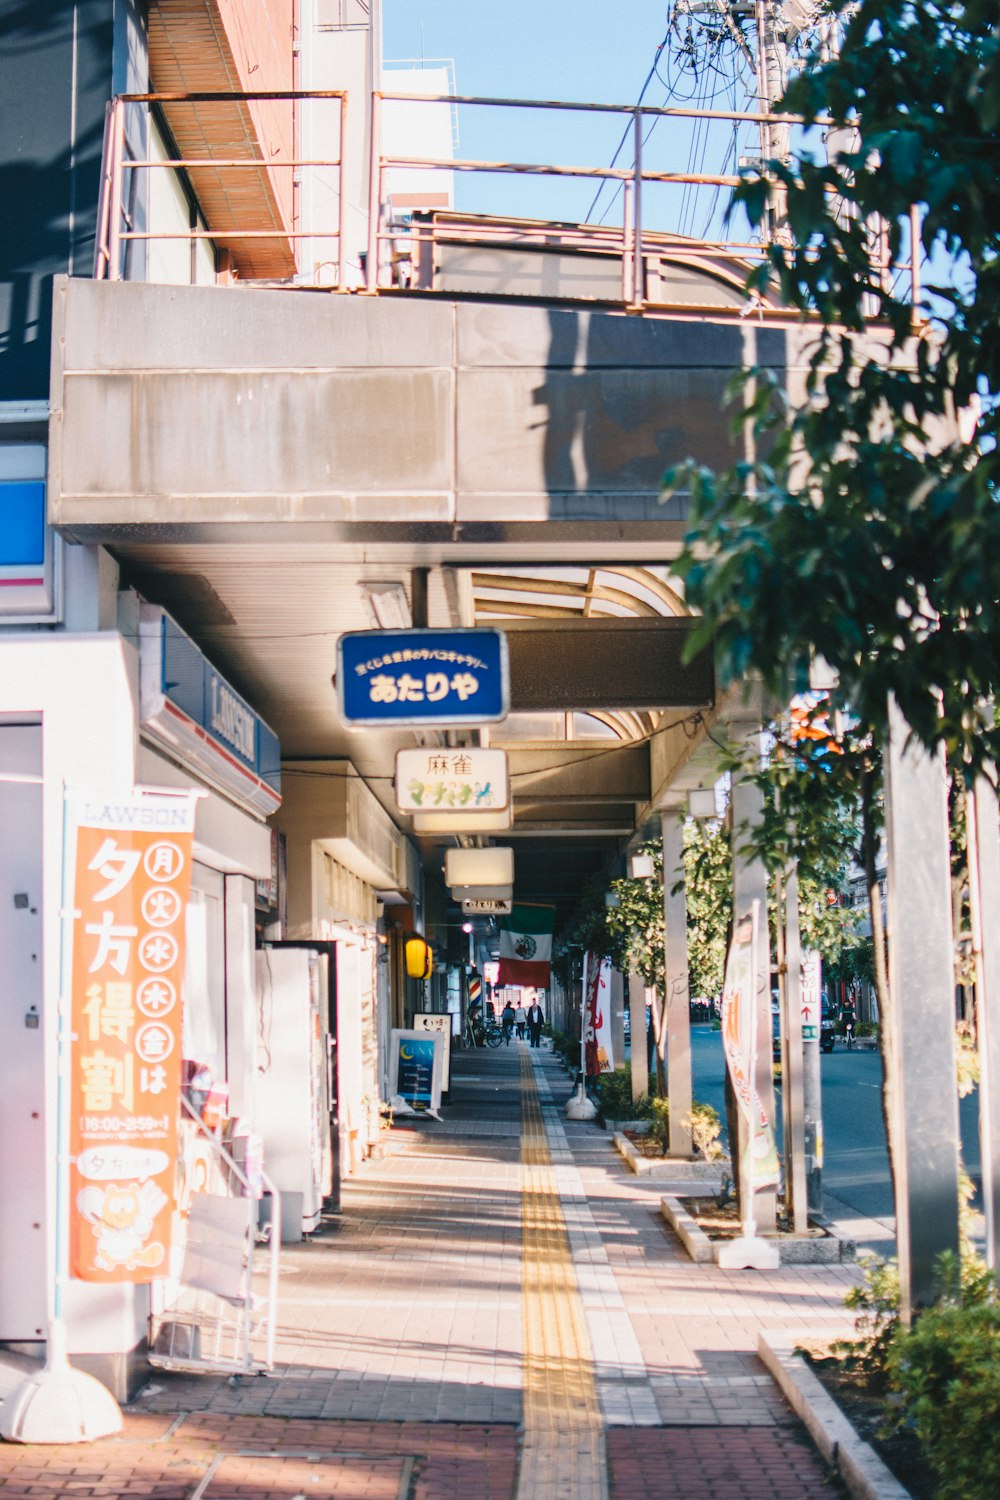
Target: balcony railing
{"points": [[241, 222], [634, 262]]}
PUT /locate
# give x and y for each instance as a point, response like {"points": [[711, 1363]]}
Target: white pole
{"points": [[581, 1106]]}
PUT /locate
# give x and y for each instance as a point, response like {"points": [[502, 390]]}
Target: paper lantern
{"points": [[419, 960]]}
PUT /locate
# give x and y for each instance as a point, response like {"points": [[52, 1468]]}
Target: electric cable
{"points": [[625, 133]]}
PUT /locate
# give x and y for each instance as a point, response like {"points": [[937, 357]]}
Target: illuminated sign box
{"points": [[460, 781], [486, 906], [422, 677], [187, 706], [493, 866], [491, 822]]}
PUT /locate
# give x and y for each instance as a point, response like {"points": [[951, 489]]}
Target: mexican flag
{"points": [[526, 946]]}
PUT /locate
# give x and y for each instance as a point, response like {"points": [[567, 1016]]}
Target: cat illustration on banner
{"points": [[121, 1216]]}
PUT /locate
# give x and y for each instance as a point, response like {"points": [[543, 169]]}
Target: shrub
{"points": [[947, 1369], [875, 1303], [614, 1097], [705, 1128], [877, 1300], [564, 1046]]}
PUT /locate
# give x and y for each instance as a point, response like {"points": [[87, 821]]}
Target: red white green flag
{"points": [[526, 947]]}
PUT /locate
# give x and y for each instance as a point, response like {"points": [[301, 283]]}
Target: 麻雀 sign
{"points": [[452, 780]]}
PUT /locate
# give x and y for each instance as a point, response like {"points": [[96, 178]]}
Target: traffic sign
{"points": [[422, 677], [811, 994]]}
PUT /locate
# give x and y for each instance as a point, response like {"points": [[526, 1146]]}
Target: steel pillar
{"points": [[812, 1081], [984, 884], [923, 1093], [749, 885], [616, 1000], [677, 993], [639, 1054], [794, 1046]]}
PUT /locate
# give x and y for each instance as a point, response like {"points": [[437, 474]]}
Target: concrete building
{"points": [[229, 420]]}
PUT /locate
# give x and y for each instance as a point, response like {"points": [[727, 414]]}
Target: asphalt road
{"points": [[857, 1192]]}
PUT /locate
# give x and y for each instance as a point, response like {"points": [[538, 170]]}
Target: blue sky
{"points": [[580, 50], [537, 49]]}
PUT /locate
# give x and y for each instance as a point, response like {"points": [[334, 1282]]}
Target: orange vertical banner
{"points": [[131, 879]]}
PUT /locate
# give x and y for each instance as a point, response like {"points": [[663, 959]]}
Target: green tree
{"points": [[864, 527], [708, 877], [866, 530]]}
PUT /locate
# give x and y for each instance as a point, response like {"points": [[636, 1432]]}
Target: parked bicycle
{"points": [[482, 1034]]}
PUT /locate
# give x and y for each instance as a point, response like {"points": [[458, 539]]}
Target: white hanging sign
{"points": [[452, 780]]}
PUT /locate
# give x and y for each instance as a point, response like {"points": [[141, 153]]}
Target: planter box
{"points": [[859, 1466], [694, 1239], [618, 1127], [821, 1248], [688, 1173]]}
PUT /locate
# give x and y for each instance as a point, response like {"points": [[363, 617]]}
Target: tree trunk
{"points": [[660, 1043]]}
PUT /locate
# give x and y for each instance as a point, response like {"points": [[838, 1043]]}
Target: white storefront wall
{"points": [[82, 693], [342, 849]]}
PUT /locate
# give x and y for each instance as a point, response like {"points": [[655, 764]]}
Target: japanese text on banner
{"points": [[739, 1043], [132, 875]]}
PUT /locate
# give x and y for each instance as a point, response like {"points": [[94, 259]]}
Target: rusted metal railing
{"points": [[640, 247], [113, 231]]}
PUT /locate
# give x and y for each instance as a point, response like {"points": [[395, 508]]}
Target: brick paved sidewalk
{"points": [[400, 1353]]}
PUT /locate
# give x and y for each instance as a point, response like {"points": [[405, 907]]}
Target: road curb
{"points": [[856, 1462]]}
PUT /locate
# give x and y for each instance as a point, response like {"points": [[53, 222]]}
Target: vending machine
{"points": [[295, 1103]]}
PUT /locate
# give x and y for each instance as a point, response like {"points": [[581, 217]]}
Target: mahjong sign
{"points": [[422, 677]]}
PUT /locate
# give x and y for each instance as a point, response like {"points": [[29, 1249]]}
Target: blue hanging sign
{"points": [[423, 677]]}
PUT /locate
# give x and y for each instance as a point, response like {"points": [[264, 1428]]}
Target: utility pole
{"points": [[772, 74]]}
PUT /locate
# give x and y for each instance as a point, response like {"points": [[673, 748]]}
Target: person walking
{"points": [[536, 1020], [507, 1021], [520, 1021]]}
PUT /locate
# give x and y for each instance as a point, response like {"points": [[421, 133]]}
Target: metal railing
{"points": [[625, 241], [633, 243], [114, 228]]}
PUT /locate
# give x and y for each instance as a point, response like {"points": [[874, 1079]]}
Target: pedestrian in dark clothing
{"points": [[536, 1020]]}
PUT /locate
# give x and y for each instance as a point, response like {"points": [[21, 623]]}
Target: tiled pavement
{"points": [[402, 1364]]}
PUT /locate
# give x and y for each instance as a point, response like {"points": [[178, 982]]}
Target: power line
{"points": [[625, 133]]}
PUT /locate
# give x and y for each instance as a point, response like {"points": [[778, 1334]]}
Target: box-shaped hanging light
{"points": [[492, 866]]}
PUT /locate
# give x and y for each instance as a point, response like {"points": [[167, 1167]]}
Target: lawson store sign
{"points": [[190, 709]]}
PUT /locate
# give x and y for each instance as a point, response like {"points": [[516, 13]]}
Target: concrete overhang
{"points": [[253, 456], [450, 431]]}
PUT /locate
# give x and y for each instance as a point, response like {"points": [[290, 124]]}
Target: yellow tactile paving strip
{"points": [[563, 1453]]}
